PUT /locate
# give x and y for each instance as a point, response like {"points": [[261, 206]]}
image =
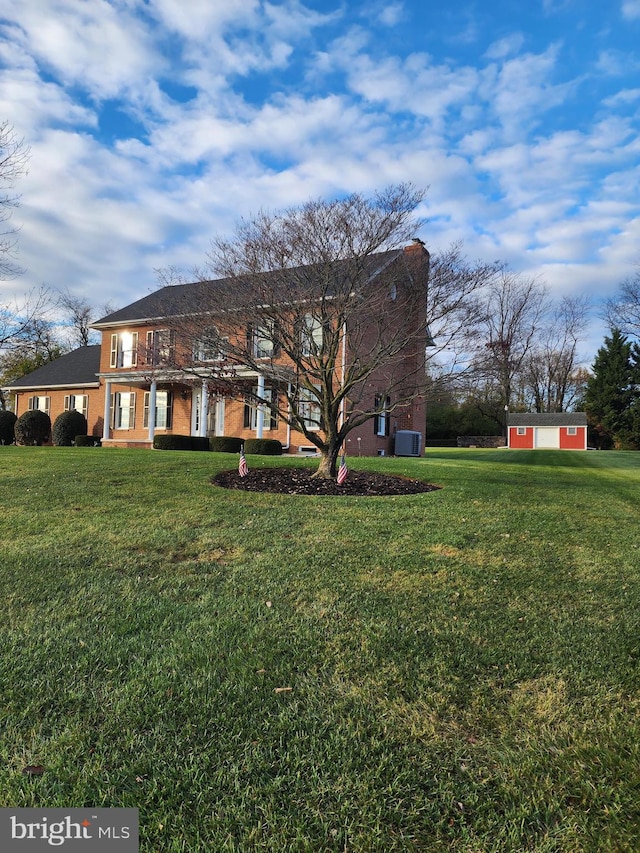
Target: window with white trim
{"points": [[160, 346], [572, 430], [271, 410], [312, 335], [381, 420], [124, 410], [210, 347], [124, 349], [522, 430], [308, 409], [262, 341], [77, 403], [41, 403], [164, 404]]}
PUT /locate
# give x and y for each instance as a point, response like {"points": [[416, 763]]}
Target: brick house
{"points": [[135, 386], [68, 382], [559, 430]]}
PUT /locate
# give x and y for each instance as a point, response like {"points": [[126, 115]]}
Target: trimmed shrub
{"points": [[7, 427], [225, 444], [172, 442], [67, 426], [33, 427], [263, 446], [200, 442], [88, 441]]}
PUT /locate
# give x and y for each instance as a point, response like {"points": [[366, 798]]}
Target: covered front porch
{"points": [[137, 407]]}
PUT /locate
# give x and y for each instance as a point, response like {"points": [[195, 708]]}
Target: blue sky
{"points": [[154, 125]]}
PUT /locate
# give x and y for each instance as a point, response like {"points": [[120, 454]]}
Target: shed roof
{"points": [[552, 419], [77, 368]]}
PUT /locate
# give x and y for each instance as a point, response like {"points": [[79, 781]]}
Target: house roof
{"points": [[547, 419], [75, 369], [181, 299]]}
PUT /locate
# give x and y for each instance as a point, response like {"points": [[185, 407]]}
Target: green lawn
{"points": [[461, 667]]}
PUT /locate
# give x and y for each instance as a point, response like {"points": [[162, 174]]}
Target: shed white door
{"points": [[547, 437]]}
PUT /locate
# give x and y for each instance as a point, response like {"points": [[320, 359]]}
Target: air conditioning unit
{"points": [[408, 443]]}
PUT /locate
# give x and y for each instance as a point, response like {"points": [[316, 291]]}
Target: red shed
{"points": [[559, 430]]}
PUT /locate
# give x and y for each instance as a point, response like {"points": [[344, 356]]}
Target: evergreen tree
{"points": [[611, 398]]}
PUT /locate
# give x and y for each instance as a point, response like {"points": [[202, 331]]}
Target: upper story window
{"points": [[124, 349], [261, 338], [210, 347], [160, 346], [572, 430], [311, 335], [522, 431]]}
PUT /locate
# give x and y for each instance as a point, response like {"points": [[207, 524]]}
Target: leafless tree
{"points": [[26, 329], [514, 310], [455, 310], [622, 311], [78, 313], [551, 373], [322, 302], [14, 156]]}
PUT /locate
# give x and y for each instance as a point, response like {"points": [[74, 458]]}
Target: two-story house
{"points": [[158, 370]]}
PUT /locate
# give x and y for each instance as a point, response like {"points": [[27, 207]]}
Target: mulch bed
{"points": [[300, 481]]}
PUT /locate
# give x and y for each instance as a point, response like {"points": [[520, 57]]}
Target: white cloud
{"points": [[98, 46], [391, 14], [507, 46], [631, 9]]}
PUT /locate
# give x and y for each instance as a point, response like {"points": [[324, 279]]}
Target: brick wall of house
{"points": [[95, 408]]}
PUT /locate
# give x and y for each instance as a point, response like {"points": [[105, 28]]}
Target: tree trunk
{"points": [[327, 469]]}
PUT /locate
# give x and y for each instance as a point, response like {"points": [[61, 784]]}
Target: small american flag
{"points": [[243, 468], [342, 471]]}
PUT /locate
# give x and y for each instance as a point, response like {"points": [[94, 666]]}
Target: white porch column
{"points": [[152, 409], [204, 408], [260, 411], [106, 421]]}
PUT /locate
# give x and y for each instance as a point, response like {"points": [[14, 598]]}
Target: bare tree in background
{"points": [[322, 302], [14, 156], [26, 334], [551, 374], [514, 311], [455, 310], [622, 311]]}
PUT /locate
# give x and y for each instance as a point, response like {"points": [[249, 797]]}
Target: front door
{"points": [[214, 416]]}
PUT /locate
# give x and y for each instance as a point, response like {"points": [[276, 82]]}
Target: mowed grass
{"points": [[451, 671]]}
